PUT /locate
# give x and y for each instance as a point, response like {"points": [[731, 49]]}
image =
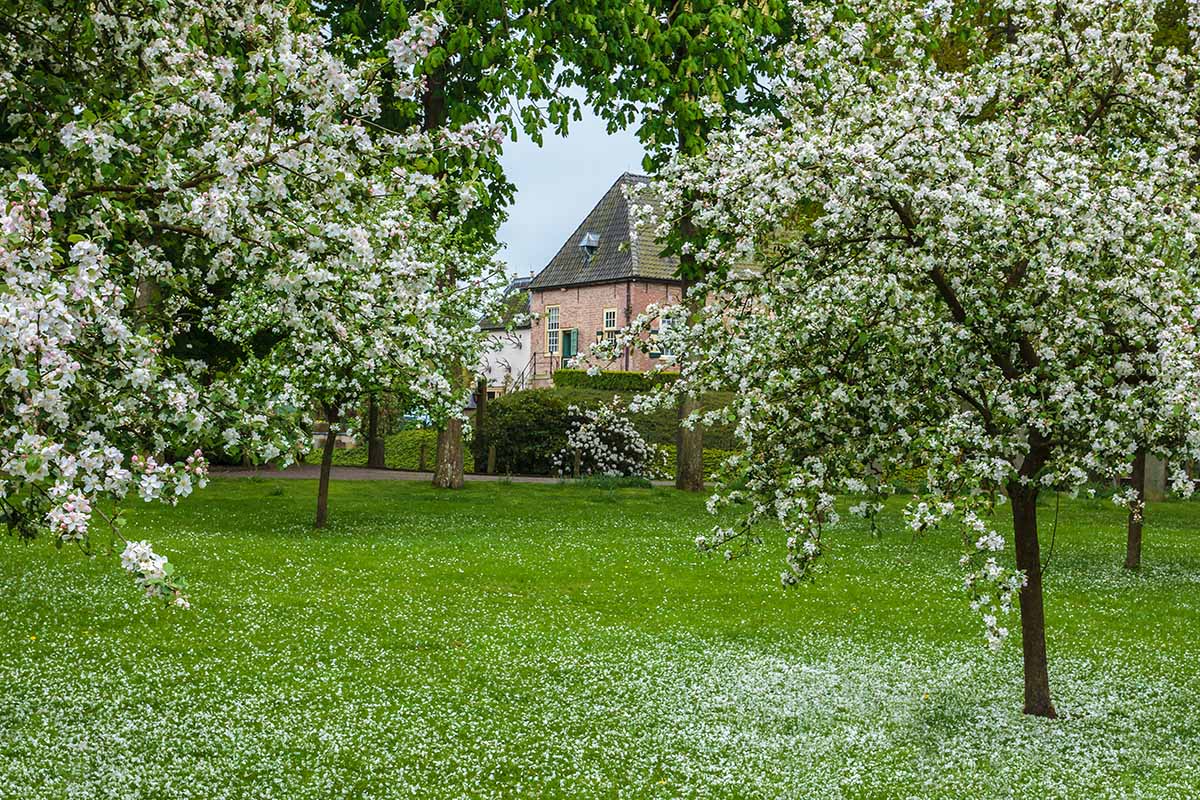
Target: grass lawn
{"points": [[559, 641]]}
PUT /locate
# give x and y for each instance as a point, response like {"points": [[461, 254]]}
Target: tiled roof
{"points": [[615, 259], [515, 303]]}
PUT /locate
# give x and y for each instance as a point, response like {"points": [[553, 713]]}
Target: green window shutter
{"points": [[570, 344]]}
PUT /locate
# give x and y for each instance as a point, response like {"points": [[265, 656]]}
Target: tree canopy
{"points": [[196, 173]]}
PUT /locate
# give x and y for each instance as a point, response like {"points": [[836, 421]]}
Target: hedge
{"points": [[528, 430], [610, 381], [401, 451]]}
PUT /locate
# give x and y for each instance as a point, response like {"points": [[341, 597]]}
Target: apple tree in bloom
{"points": [[975, 241], [158, 166], [85, 397], [386, 294]]}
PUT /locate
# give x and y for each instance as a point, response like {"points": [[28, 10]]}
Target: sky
{"points": [[557, 184]]}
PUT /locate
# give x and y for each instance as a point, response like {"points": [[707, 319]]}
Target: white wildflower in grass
{"points": [[581, 658]]}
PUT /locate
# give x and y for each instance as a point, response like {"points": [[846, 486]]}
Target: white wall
{"points": [[506, 365]]}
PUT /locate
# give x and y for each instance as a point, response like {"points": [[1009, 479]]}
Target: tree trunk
{"points": [[1033, 618], [1156, 479], [331, 416], [1133, 538], [448, 461], [375, 448], [479, 443], [689, 444], [689, 450], [448, 472], [147, 294]]}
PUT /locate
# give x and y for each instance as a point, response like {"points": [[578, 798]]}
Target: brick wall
{"points": [[583, 307]]}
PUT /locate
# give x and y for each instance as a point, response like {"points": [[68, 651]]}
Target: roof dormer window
{"points": [[589, 244]]}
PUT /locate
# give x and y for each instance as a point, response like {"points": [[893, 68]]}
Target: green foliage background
{"points": [[528, 428], [402, 450], [612, 380]]}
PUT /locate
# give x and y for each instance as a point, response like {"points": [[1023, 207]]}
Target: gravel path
{"points": [[312, 472]]}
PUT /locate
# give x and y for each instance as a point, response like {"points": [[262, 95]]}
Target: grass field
{"points": [[560, 641]]}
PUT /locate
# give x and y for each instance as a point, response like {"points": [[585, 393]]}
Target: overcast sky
{"points": [[557, 184]]}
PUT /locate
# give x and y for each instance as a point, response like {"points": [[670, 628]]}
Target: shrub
{"points": [[528, 429], [610, 381], [605, 443], [657, 426], [402, 451]]}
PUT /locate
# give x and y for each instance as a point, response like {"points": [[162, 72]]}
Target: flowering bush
{"points": [[605, 443]]}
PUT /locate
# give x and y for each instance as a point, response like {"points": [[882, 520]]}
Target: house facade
{"points": [[602, 277], [507, 362]]}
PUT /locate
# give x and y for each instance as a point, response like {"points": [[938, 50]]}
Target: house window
{"points": [[610, 324], [570, 343], [552, 329], [664, 325]]}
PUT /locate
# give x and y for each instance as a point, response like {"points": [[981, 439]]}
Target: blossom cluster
{"points": [[1129, 498], [153, 573], [603, 441]]}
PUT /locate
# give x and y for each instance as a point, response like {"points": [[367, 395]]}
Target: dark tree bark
{"points": [[1033, 618], [331, 416], [448, 472], [375, 448], [448, 461], [1133, 538]]}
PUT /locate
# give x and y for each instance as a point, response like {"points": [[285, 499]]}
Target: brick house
{"points": [[596, 284]]}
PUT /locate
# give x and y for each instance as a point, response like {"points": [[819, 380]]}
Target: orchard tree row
{"points": [[957, 237], [206, 231], [220, 216]]}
